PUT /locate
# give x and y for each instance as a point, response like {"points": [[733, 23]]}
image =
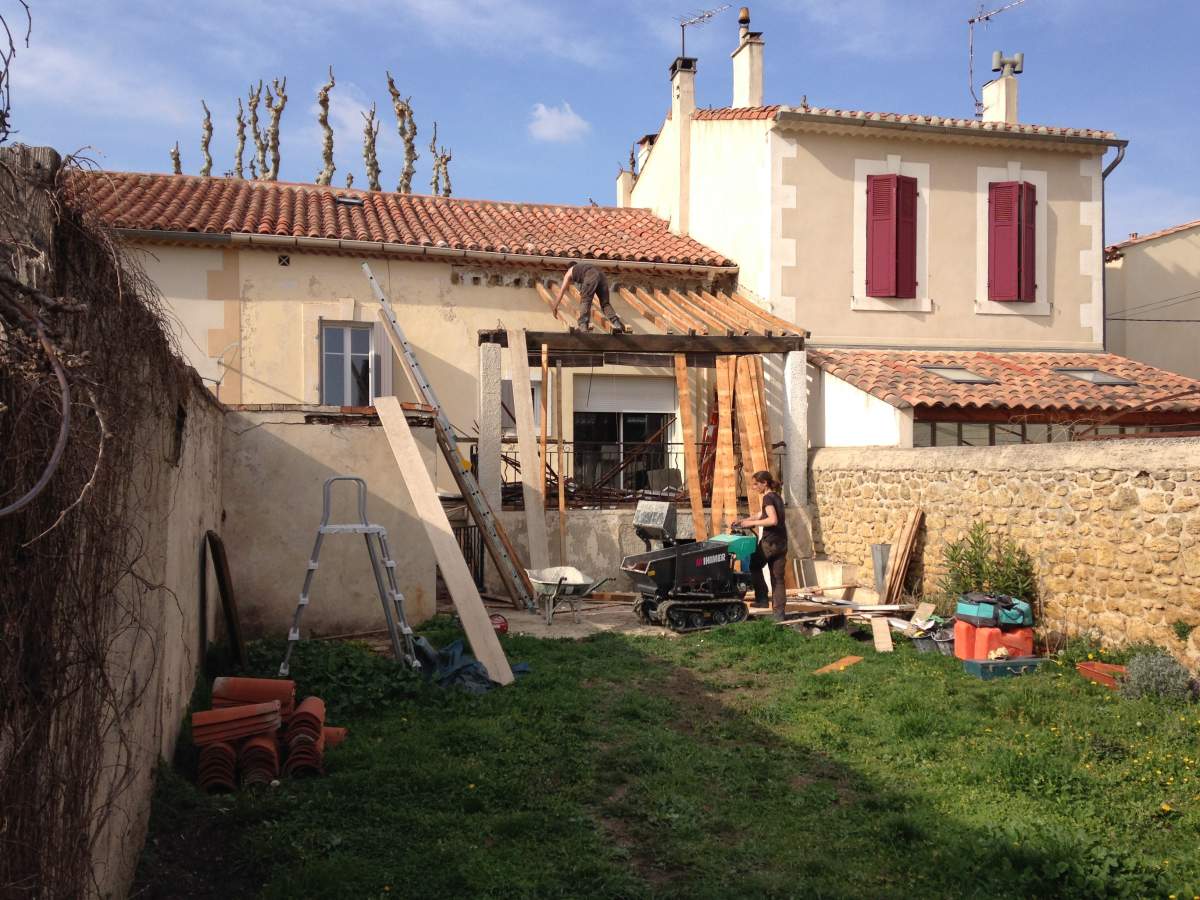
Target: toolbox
{"points": [[993, 611], [989, 669]]}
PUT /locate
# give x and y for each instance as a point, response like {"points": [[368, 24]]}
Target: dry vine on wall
{"points": [[87, 379]]}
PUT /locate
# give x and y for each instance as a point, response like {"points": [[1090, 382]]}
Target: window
{"points": [[1012, 241], [347, 365], [606, 440], [1095, 376], [959, 374], [891, 236]]}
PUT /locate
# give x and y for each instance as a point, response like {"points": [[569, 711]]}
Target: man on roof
{"points": [[591, 283]]}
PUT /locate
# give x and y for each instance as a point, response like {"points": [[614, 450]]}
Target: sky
{"points": [[540, 101]]}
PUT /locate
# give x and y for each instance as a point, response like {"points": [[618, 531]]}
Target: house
{"points": [[963, 256], [1153, 297]]}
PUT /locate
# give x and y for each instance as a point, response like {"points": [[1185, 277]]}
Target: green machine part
{"points": [[741, 546]]}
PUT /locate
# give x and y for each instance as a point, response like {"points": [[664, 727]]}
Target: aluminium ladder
{"points": [[514, 575], [383, 567]]}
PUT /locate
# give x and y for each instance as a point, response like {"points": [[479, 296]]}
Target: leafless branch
{"points": [[406, 126], [238, 171], [275, 104], [258, 165], [206, 131], [326, 173], [370, 158]]}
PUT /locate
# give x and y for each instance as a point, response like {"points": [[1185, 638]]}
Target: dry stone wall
{"points": [[1113, 527]]}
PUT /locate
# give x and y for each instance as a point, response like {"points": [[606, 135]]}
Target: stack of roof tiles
{"points": [[255, 729]]}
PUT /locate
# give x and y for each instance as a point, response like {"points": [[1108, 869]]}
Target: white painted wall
{"points": [[841, 415]]}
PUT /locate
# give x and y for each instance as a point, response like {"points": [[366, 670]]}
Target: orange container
{"points": [[964, 639], [1019, 642]]}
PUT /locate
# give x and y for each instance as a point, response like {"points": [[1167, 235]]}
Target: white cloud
{"points": [[558, 124]]}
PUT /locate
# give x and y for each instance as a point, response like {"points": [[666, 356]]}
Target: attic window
{"points": [[349, 201], [959, 374], [1095, 376]]}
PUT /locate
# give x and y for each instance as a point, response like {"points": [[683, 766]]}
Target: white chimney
{"points": [[683, 106], [1000, 94], [624, 189], [747, 64]]}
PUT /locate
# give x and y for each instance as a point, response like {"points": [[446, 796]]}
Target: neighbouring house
{"points": [[1153, 298], [975, 241]]}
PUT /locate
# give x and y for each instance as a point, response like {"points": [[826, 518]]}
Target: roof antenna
{"points": [[699, 18], [985, 18]]}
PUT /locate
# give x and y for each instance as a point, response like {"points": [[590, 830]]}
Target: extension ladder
{"points": [[514, 575], [383, 567]]}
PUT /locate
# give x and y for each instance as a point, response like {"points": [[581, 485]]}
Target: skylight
{"points": [[1095, 376], [959, 374]]}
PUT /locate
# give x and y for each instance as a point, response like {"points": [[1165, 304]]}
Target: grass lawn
{"points": [[715, 765]]}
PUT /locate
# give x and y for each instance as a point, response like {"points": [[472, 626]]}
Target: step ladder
{"points": [[516, 579], [383, 567]]}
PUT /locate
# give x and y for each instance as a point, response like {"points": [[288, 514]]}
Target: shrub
{"points": [[979, 562], [1182, 629], [1156, 675]]}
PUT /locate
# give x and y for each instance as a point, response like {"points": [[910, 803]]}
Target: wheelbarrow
{"points": [[559, 585]]}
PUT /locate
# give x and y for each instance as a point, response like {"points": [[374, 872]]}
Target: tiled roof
{"points": [[819, 114], [1162, 232], [184, 203], [1023, 380]]}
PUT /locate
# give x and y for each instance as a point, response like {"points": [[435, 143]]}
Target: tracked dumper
{"points": [[687, 585]]}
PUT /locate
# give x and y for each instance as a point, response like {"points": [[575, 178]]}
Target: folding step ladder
{"points": [[383, 567], [515, 577]]}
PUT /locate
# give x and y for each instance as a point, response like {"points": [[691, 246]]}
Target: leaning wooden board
{"points": [[724, 477], [691, 462], [533, 493], [447, 553]]}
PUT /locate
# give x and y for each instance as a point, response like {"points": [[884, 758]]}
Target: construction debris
{"points": [[844, 663]]}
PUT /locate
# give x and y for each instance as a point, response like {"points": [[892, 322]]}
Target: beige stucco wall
{"points": [[1163, 269], [156, 651], [1113, 527]]}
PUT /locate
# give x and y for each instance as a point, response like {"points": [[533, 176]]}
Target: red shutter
{"points": [[881, 235], [1028, 278], [906, 236], [1004, 232]]}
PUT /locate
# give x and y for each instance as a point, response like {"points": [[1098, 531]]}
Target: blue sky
{"points": [[540, 101]]}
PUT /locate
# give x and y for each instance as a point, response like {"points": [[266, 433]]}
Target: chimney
{"points": [[683, 105], [1000, 94], [747, 64], [624, 189]]}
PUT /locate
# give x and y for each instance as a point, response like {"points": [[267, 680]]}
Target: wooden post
{"points": [[544, 411], [446, 551], [562, 464], [724, 477], [534, 495], [691, 463]]}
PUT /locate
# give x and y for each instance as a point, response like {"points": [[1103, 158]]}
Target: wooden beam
{"points": [[724, 476], [545, 411], [691, 461], [448, 555], [562, 465], [534, 494], [690, 345], [881, 634]]}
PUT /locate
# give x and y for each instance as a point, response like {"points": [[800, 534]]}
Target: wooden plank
{"points": [[690, 344], [535, 502], [545, 412], [881, 633], [562, 465], [902, 553], [745, 452], [843, 663], [446, 552], [724, 477], [683, 322], [754, 454], [691, 461], [233, 624]]}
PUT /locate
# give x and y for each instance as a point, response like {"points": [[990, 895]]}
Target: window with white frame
{"points": [[348, 365]]}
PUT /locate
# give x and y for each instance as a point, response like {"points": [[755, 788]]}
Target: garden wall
{"points": [[1113, 527]]}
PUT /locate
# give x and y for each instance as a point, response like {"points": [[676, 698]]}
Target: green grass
{"points": [[715, 765]]}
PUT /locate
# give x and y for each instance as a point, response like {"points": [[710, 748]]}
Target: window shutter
{"points": [[906, 236], [1004, 232], [1028, 278], [881, 235]]}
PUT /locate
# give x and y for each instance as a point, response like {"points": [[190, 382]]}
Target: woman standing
{"points": [[772, 546]]}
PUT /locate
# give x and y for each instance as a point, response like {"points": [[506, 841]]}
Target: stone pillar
{"points": [[488, 416], [795, 428]]}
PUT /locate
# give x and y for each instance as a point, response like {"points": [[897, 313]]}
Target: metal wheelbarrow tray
{"points": [[561, 584]]}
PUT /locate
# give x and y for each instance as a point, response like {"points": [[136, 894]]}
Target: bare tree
{"points": [[176, 164], [206, 141], [258, 165], [370, 157], [275, 104], [406, 126], [238, 171], [440, 182], [326, 173], [7, 53]]}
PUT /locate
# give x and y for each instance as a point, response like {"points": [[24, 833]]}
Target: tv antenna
{"points": [[686, 22], [985, 18]]}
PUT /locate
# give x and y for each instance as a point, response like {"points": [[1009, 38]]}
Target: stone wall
{"points": [[1113, 527]]}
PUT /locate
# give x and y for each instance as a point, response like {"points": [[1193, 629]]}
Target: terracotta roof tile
{"points": [[191, 204], [1153, 235], [1023, 380]]}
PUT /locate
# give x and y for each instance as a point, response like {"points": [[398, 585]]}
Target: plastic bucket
{"points": [[924, 644], [944, 640]]}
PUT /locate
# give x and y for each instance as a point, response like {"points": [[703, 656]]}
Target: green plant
{"points": [[1182, 629], [1156, 675], [979, 562]]}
